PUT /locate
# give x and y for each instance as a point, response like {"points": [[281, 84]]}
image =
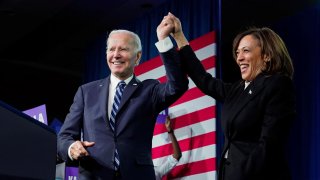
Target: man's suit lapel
{"points": [[104, 94], [245, 96], [128, 91]]}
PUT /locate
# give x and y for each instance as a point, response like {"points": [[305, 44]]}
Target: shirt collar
{"points": [[246, 84], [114, 81]]}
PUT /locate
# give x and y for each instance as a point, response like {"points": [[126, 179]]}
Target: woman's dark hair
{"points": [[272, 46]]}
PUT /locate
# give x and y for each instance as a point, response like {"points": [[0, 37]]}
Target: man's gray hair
{"points": [[136, 39]]}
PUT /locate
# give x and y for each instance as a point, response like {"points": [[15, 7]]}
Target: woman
{"points": [[257, 110]]}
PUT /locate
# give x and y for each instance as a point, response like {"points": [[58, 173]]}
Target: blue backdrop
{"points": [[301, 34], [198, 18]]}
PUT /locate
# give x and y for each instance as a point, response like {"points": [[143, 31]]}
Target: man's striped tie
{"points": [[115, 107]]}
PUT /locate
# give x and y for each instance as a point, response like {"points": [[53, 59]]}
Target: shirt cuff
{"points": [[164, 45], [69, 149], [172, 160]]}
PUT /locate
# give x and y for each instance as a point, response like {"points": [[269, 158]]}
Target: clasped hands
{"points": [[170, 25]]}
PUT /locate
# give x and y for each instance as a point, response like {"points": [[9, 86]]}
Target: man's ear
{"points": [[139, 54]]}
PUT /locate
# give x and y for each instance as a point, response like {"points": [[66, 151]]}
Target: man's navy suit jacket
{"points": [[140, 105]]}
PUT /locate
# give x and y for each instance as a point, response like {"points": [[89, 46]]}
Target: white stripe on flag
{"points": [[192, 130], [159, 72], [211, 175], [206, 51], [155, 73], [191, 106], [194, 155], [211, 71]]}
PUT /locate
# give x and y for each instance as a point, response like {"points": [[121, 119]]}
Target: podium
{"points": [[28, 147]]}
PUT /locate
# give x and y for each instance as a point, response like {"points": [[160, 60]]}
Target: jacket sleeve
{"points": [[70, 131], [203, 80], [177, 81]]}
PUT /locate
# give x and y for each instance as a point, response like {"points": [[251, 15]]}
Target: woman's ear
{"points": [[266, 58]]}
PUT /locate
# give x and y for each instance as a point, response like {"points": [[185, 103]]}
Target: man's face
{"points": [[121, 55]]}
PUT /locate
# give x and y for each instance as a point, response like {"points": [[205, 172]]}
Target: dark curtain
{"points": [[197, 17], [301, 32], [95, 61]]}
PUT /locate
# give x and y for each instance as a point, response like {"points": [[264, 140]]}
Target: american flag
{"points": [[193, 118]]}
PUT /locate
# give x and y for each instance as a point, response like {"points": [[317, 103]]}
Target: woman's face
{"points": [[249, 58]]}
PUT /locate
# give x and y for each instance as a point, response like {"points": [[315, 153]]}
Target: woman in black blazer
{"points": [[257, 110]]}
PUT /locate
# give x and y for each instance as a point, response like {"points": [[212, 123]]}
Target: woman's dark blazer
{"points": [[256, 120]]}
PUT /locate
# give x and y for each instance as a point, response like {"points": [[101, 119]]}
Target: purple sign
{"points": [[39, 113], [161, 119], [71, 173]]}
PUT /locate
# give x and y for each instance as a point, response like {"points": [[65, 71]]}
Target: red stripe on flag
{"points": [[188, 119], [185, 145], [203, 41], [157, 62], [188, 96], [207, 64], [163, 79], [192, 168], [148, 66]]}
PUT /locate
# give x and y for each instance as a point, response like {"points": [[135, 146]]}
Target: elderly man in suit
{"points": [[108, 129]]}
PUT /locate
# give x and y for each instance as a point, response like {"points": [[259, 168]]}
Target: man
{"points": [[112, 139]]}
